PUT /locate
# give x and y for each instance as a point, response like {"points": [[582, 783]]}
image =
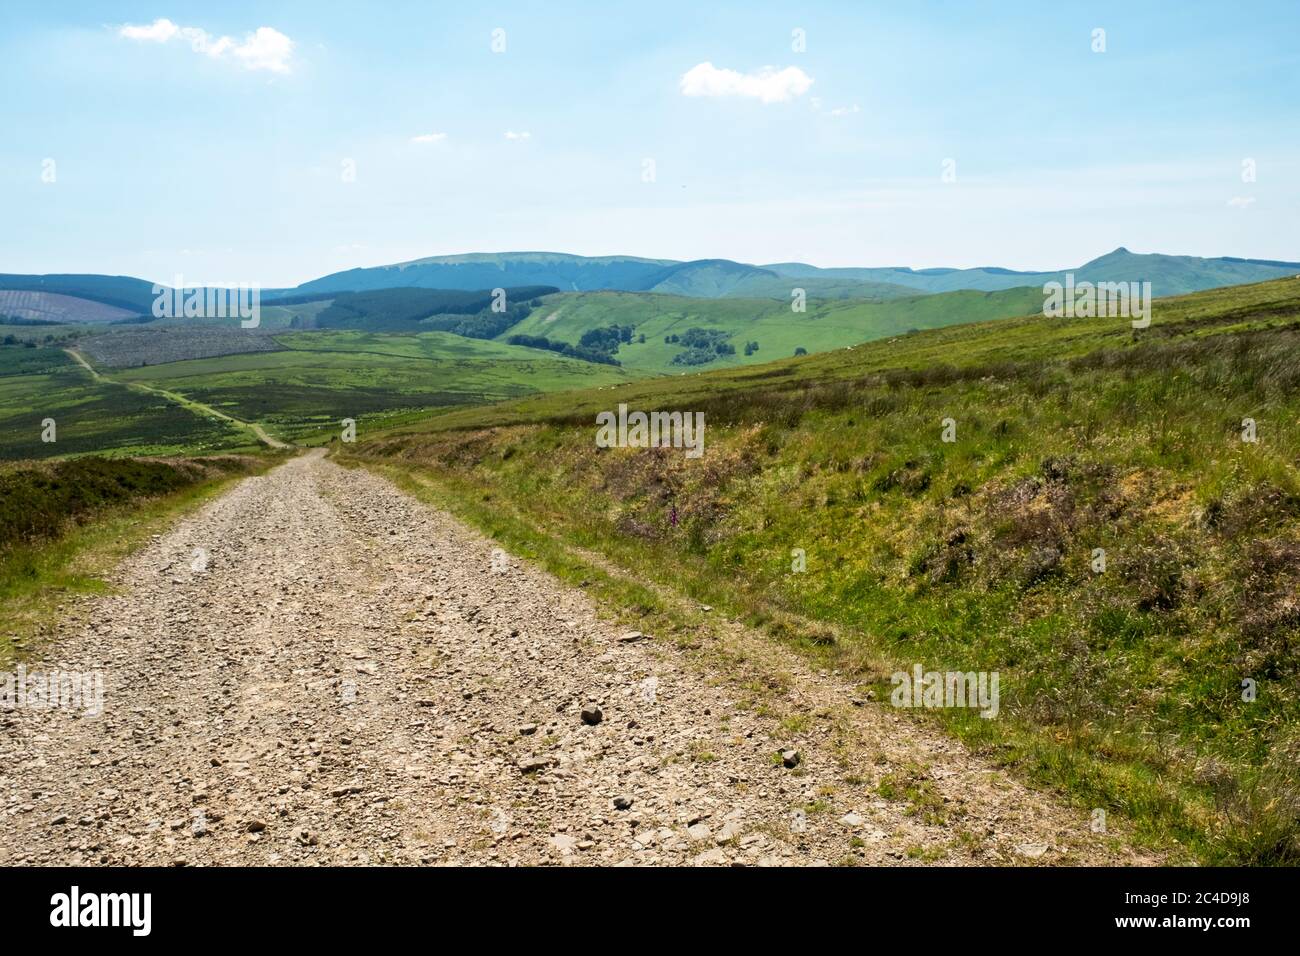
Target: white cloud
{"points": [[1241, 202], [429, 138], [511, 134], [160, 31], [845, 110], [767, 84], [264, 49]]}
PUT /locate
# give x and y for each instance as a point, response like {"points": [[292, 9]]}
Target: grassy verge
{"points": [[67, 524], [830, 511]]}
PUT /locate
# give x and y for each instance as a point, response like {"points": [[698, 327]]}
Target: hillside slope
{"points": [[121, 292], [1155, 679], [774, 326]]}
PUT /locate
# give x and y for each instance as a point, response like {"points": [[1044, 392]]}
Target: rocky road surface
{"points": [[316, 669]]}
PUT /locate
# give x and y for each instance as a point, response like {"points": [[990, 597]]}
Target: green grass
{"points": [[826, 325], [943, 352], [284, 316], [39, 499], [1119, 689], [301, 395], [93, 417]]}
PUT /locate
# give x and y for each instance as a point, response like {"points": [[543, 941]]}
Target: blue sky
{"points": [[204, 148]]}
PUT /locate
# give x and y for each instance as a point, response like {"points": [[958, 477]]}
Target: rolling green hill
{"points": [[777, 330], [566, 317], [1160, 685], [300, 384]]}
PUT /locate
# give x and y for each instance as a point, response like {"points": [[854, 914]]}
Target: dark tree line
{"points": [[563, 348]]}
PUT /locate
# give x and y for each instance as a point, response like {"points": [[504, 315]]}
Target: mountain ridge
{"points": [[717, 278], [695, 278]]}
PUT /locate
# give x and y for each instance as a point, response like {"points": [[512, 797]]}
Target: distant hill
{"points": [[699, 279], [120, 292], [493, 270], [722, 278], [1179, 275], [54, 308], [1168, 275]]}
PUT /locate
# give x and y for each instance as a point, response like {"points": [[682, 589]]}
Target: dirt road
{"points": [[317, 669]]}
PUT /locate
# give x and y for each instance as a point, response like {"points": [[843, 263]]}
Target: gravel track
{"points": [[345, 676]]}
